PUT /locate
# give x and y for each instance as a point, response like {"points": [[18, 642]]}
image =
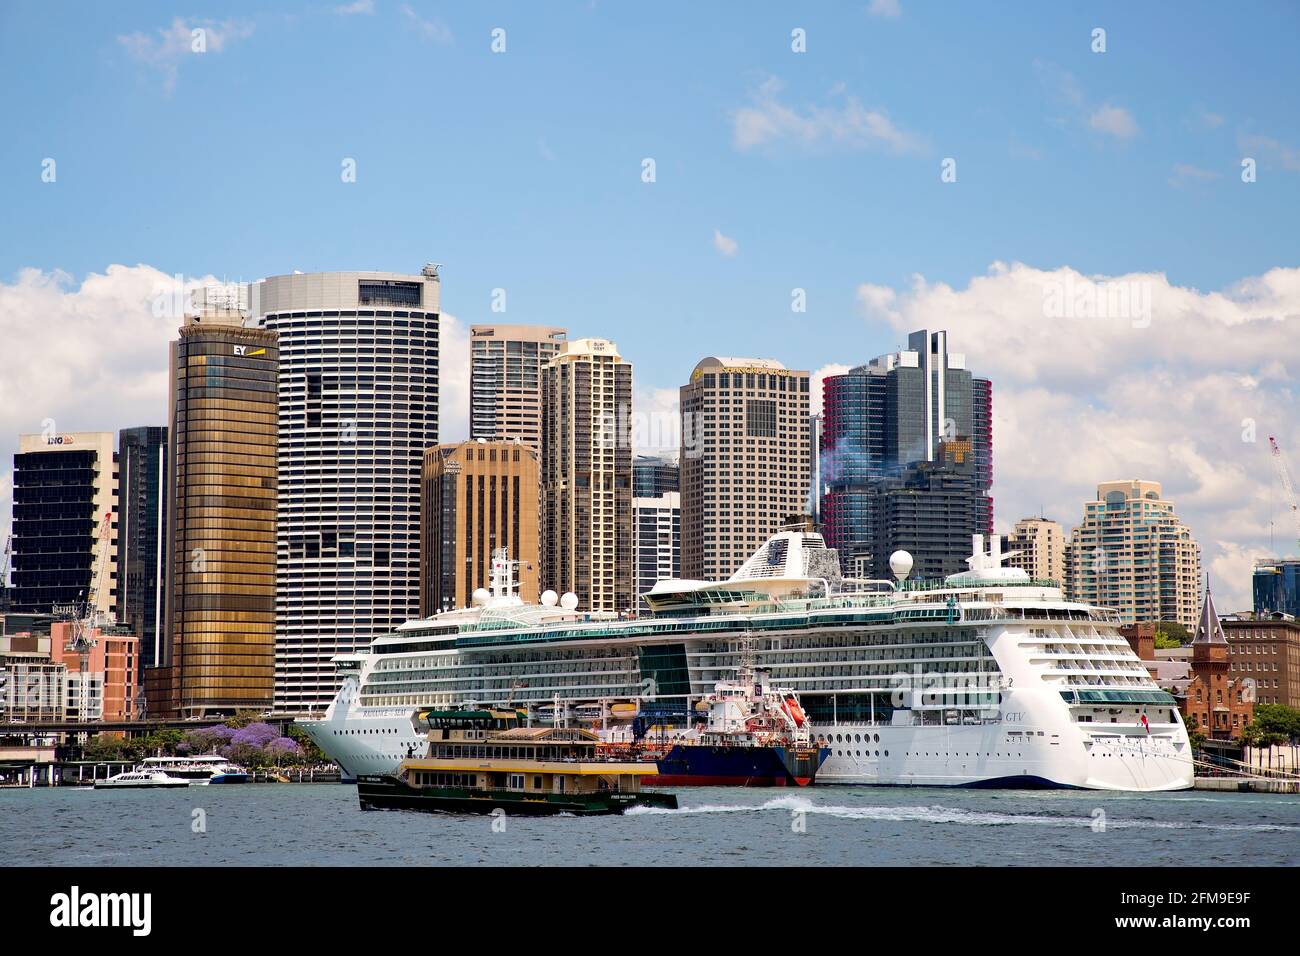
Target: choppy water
{"points": [[322, 825]]}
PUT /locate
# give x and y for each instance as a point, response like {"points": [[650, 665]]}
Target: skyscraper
{"points": [[63, 486], [358, 394], [220, 582], [657, 539], [1275, 586], [477, 496], [654, 475], [881, 418], [142, 537], [506, 363], [1132, 553], [1041, 544], [587, 475], [930, 509], [745, 465]]}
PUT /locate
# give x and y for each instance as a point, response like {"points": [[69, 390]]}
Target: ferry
{"points": [[983, 679], [140, 779], [201, 769], [484, 761]]}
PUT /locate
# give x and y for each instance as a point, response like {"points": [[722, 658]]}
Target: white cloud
{"points": [[453, 379], [1207, 120], [1062, 87], [1270, 150], [1081, 400], [1114, 121], [656, 421], [431, 29], [169, 47], [725, 244], [816, 383], [94, 356], [360, 6], [1187, 175], [851, 124], [885, 8]]}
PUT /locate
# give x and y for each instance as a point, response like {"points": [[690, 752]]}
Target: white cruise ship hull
{"points": [[989, 755]]}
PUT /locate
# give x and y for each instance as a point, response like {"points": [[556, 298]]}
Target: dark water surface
{"points": [[320, 824]]}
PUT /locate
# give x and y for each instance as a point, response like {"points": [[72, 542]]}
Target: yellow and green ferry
{"points": [[480, 761]]}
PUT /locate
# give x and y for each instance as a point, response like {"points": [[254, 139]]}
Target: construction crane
{"points": [[4, 574], [83, 626], [1288, 487]]}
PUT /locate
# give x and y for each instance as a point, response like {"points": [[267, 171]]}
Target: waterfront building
{"points": [[1265, 649], [220, 578], [881, 418], [1132, 553], [587, 475], [63, 486], [745, 467], [1041, 546], [1222, 703], [477, 496], [506, 363], [930, 510], [654, 475], [1276, 586], [358, 407], [657, 539], [105, 683], [142, 536]]}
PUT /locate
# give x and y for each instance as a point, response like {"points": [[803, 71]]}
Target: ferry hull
{"points": [[385, 792], [705, 766]]}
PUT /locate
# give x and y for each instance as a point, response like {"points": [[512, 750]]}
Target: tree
{"points": [[242, 718], [105, 748], [310, 753], [1194, 734], [1170, 634]]}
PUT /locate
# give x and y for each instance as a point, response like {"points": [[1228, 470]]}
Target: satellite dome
{"points": [[900, 562], [549, 598], [481, 596], [570, 601]]}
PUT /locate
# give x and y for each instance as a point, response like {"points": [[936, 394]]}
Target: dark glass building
{"points": [[1276, 586], [142, 536], [653, 476], [879, 421], [63, 486]]}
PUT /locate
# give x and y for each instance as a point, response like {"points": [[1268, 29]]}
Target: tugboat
{"points": [[755, 735], [479, 761]]}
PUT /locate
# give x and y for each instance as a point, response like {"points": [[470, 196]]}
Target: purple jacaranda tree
{"points": [[255, 735]]}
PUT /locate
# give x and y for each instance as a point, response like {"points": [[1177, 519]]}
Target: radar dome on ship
{"points": [[549, 598], [481, 596], [570, 601], [900, 563]]}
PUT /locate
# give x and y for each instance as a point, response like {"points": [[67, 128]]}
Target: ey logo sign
{"points": [[245, 350]]}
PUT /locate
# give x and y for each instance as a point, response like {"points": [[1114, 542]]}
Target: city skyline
{"points": [[1123, 166]]}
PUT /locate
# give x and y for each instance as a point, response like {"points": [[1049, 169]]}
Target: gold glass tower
{"points": [[222, 485]]}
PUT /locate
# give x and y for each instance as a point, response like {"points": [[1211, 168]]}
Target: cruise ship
{"points": [[983, 679]]}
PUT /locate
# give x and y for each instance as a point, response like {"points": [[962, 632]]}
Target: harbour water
{"points": [[321, 824]]}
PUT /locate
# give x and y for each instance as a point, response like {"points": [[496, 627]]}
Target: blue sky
{"points": [[775, 170], [522, 170]]}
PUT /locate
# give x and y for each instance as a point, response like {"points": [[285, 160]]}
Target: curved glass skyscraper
{"points": [[358, 408]]}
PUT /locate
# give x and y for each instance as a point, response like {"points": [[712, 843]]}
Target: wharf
{"points": [[1246, 784]]}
